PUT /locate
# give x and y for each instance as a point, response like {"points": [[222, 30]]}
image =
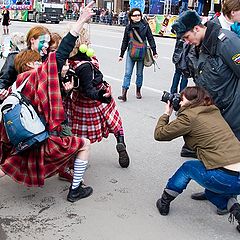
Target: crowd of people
{"points": [[78, 108]]}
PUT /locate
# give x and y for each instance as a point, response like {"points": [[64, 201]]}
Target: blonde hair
{"points": [[83, 39]]}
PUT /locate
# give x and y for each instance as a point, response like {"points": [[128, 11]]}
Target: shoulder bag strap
{"points": [[137, 35]]}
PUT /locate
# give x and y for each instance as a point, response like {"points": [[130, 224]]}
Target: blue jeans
{"points": [[128, 72], [219, 185], [200, 8], [176, 78], [184, 7]]}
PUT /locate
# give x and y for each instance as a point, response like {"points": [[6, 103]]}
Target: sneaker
{"points": [[123, 155], [199, 196], [222, 211], [65, 175], [80, 192], [186, 152]]}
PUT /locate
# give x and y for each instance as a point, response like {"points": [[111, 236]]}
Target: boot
{"points": [[123, 97], [163, 204], [80, 192], [187, 152], [235, 212], [123, 160], [138, 93]]}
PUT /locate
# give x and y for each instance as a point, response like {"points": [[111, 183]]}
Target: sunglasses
{"points": [[136, 15]]}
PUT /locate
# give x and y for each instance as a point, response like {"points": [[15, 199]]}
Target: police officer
{"points": [[215, 64]]}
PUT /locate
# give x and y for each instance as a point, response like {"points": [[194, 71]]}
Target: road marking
{"points": [[144, 87]]}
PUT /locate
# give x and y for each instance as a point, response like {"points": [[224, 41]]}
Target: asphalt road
{"points": [[122, 206]]}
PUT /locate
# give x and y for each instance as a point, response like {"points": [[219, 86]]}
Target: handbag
{"points": [[148, 59], [137, 49]]}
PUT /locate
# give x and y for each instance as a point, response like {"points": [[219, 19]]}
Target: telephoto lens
{"points": [[173, 98]]}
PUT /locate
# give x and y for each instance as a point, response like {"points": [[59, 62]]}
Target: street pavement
{"points": [[122, 206]]}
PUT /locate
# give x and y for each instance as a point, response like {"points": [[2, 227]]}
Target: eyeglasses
{"points": [[136, 15]]}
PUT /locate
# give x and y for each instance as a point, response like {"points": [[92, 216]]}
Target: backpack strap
{"points": [[19, 89]]}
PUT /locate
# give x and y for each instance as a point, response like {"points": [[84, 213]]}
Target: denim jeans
{"points": [[200, 8], [128, 72], [184, 7], [219, 186], [176, 78]]}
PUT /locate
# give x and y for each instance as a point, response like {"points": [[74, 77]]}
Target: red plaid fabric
{"points": [[90, 118], [32, 166]]}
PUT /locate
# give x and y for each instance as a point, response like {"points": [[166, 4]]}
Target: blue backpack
{"points": [[23, 126]]}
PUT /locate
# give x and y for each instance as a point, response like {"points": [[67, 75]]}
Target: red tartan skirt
{"points": [[32, 167], [90, 118]]}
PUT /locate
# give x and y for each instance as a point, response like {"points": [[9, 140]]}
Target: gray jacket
{"points": [[217, 69]]}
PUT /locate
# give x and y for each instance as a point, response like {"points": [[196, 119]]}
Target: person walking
{"points": [[141, 26], [5, 21], [204, 129], [91, 109]]}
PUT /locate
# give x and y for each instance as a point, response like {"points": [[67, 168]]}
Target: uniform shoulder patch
{"points": [[222, 36], [236, 58]]}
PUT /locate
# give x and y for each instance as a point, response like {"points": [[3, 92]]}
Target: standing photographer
{"points": [[205, 131]]}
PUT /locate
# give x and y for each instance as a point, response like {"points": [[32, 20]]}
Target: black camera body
{"points": [[71, 75], [173, 98]]}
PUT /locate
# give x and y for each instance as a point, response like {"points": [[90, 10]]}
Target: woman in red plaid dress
{"points": [[32, 166], [91, 110]]}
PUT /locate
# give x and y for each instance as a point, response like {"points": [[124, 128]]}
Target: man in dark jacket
{"points": [[216, 64]]}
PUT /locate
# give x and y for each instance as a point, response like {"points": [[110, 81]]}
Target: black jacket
{"points": [[89, 77], [217, 69], [143, 30], [8, 74]]}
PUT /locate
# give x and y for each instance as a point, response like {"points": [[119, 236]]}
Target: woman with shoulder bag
{"points": [[137, 26]]}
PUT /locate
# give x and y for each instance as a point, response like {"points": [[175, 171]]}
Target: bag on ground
{"points": [[23, 126]]}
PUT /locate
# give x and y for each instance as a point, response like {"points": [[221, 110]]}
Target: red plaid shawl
{"points": [[32, 166], [90, 118]]}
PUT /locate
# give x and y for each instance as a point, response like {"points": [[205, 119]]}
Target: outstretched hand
{"points": [[84, 17]]}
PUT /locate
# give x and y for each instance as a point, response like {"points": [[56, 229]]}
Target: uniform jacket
{"points": [[205, 131], [143, 30], [217, 69]]}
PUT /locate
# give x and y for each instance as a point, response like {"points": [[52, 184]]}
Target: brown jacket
{"points": [[205, 131]]}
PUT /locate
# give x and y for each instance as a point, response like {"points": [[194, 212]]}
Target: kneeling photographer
{"points": [[203, 128]]}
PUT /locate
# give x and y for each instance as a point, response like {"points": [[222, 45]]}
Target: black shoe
{"points": [[186, 152], [235, 213], [222, 211], [123, 155], [199, 196], [78, 193]]}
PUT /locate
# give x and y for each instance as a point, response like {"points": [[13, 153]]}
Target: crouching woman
{"points": [[218, 169]]}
